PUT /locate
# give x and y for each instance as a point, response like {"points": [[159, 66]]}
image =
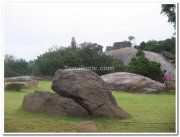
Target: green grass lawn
{"points": [[150, 113]]}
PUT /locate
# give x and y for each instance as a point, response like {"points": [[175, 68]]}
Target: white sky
{"points": [[30, 29]]}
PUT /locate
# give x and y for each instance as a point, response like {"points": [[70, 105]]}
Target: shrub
{"points": [[142, 66]]}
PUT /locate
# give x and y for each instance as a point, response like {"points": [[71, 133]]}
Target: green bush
{"points": [[167, 45], [15, 67], [87, 55], [142, 66]]}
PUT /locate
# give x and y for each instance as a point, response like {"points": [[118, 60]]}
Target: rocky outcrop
{"points": [[108, 48], [51, 103], [132, 83], [118, 45], [88, 90], [126, 54]]}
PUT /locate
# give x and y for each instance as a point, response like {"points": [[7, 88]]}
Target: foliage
{"points": [[139, 53], [170, 11], [142, 66], [15, 67], [49, 62], [167, 45], [87, 55], [131, 38], [150, 113]]}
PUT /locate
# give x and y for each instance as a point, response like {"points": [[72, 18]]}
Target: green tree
{"points": [[131, 38], [142, 66], [140, 53], [87, 55], [15, 67], [162, 46], [170, 11]]}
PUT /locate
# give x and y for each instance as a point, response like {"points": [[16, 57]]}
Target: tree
{"points": [[131, 38], [88, 55], [170, 11], [142, 66], [162, 46], [140, 53], [15, 67]]}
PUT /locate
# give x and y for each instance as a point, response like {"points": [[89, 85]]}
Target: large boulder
{"points": [[132, 83], [126, 54], [51, 103], [88, 90]]}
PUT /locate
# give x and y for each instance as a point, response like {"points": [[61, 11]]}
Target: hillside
{"points": [[126, 54]]}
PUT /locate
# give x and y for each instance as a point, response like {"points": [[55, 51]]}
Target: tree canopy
{"points": [[87, 55], [15, 67], [170, 11]]}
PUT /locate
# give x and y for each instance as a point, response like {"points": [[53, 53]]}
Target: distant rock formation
{"points": [[118, 45], [126, 54], [108, 48], [132, 83]]}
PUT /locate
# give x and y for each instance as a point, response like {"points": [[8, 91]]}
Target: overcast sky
{"points": [[30, 29]]}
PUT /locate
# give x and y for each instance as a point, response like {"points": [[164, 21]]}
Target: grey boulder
{"points": [[132, 83], [51, 103]]}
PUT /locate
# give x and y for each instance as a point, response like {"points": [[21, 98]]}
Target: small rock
{"points": [[14, 86], [86, 126]]}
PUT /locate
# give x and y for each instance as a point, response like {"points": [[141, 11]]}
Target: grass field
{"points": [[150, 113]]}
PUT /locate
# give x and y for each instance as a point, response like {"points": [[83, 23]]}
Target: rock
{"points": [[31, 84], [86, 126], [28, 81], [108, 48], [126, 54], [171, 85], [14, 86], [132, 83], [167, 55], [51, 103], [118, 45], [88, 90], [124, 44], [19, 79]]}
